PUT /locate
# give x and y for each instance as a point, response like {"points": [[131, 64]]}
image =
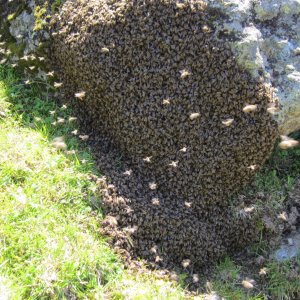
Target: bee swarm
{"points": [[129, 57]]}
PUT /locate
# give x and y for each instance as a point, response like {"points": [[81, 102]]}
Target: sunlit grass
{"points": [[50, 241]]}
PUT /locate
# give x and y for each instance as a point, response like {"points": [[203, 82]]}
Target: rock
{"points": [[264, 35], [289, 249]]}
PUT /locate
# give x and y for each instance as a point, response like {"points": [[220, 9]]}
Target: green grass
{"points": [[50, 245]]}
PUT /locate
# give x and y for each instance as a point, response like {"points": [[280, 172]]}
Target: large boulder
{"points": [[194, 126]]}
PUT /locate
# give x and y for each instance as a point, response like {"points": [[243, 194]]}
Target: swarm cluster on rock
{"points": [[160, 89]]}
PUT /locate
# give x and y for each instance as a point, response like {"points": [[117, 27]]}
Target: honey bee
{"points": [[80, 95], [104, 50], [180, 5], [194, 116], [50, 74], [147, 159], [155, 201], [252, 167], [227, 122], [287, 143], [58, 84], [283, 216], [166, 102], [128, 172], [185, 73], [188, 204], [263, 271], [250, 108], [60, 121], [248, 284], [59, 143], [174, 164], [152, 186], [71, 119], [185, 263], [84, 137]]}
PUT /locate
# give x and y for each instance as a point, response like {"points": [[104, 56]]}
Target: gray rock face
{"points": [[21, 29], [289, 248], [265, 36]]}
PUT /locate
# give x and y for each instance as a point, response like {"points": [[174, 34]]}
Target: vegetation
{"points": [[49, 232], [50, 218]]}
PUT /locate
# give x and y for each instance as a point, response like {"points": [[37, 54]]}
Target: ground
{"points": [[50, 222]]}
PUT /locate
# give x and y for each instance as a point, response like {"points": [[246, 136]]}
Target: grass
{"points": [[50, 245], [50, 222]]}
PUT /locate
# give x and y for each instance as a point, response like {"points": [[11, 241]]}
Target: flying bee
{"points": [[75, 132], [27, 82], [184, 149], [155, 201], [158, 259], [249, 209], [54, 123], [71, 119], [83, 161], [71, 152], [252, 167], [32, 68], [250, 108], [104, 50], [32, 57], [147, 159], [2, 61], [60, 120], [41, 58], [185, 73], [188, 204], [194, 116], [283, 216], [195, 278], [180, 5], [287, 143], [174, 164], [152, 186], [128, 172], [52, 112], [263, 271], [153, 249], [64, 107], [205, 28], [166, 102], [227, 122], [84, 137], [25, 57], [80, 95], [59, 143], [57, 84], [50, 74], [185, 263], [272, 110], [248, 284]]}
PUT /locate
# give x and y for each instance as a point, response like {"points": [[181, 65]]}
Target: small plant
{"points": [[40, 15]]}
